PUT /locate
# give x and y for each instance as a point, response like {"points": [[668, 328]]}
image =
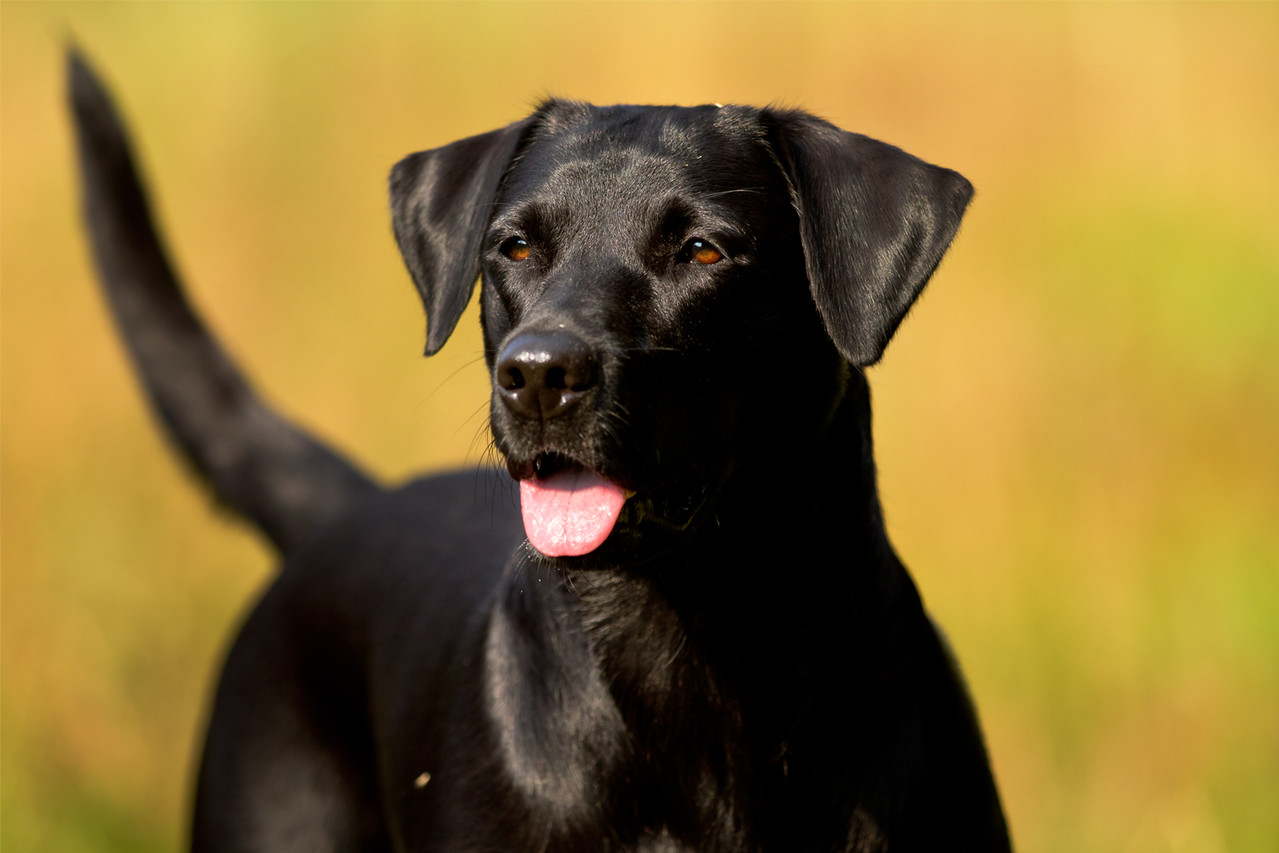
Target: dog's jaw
{"points": [[572, 510]]}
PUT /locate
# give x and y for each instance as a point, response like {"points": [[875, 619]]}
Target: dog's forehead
{"points": [[579, 147], [659, 130]]}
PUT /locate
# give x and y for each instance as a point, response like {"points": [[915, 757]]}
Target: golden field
{"points": [[1077, 427]]}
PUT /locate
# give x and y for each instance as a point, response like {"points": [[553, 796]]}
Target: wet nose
{"points": [[541, 375]]}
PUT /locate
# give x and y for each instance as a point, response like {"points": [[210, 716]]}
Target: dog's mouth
{"points": [[568, 509]]}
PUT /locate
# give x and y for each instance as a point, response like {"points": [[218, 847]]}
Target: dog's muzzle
{"points": [[568, 509]]}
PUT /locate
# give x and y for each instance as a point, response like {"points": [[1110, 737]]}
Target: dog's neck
{"points": [[720, 646], [785, 540], [806, 487]]}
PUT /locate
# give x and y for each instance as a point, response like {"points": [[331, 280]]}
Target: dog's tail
{"points": [[261, 466]]}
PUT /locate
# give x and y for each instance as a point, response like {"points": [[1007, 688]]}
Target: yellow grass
{"points": [[1078, 427]]}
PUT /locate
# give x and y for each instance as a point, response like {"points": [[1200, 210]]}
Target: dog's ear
{"points": [[874, 222], [441, 202]]}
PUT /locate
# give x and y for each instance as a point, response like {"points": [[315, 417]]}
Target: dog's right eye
{"points": [[517, 249], [698, 251]]}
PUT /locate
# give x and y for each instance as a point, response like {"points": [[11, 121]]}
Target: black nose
{"points": [[543, 374]]}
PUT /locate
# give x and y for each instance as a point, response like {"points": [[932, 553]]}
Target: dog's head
{"points": [[670, 295]]}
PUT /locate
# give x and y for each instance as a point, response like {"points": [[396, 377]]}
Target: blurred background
{"points": [[1077, 427]]}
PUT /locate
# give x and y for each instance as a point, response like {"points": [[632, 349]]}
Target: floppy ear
{"points": [[441, 202], [874, 222]]}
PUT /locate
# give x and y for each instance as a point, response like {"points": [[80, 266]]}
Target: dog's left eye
{"points": [[700, 252], [517, 249]]}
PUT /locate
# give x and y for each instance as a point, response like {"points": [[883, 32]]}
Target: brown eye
{"points": [[701, 252], [516, 249]]}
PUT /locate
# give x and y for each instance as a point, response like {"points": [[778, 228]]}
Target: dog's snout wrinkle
{"points": [[541, 375]]}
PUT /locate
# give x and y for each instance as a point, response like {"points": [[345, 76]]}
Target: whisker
{"points": [[737, 190], [447, 379]]}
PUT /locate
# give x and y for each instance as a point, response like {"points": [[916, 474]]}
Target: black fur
{"points": [[744, 664], [280, 478]]}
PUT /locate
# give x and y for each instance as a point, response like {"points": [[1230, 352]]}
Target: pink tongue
{"points": [[570, 512]]}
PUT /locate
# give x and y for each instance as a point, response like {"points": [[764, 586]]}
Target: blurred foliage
{"points": [[1078, 426]]}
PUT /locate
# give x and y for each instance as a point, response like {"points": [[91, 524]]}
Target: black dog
{"points": [[700, 637]]}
